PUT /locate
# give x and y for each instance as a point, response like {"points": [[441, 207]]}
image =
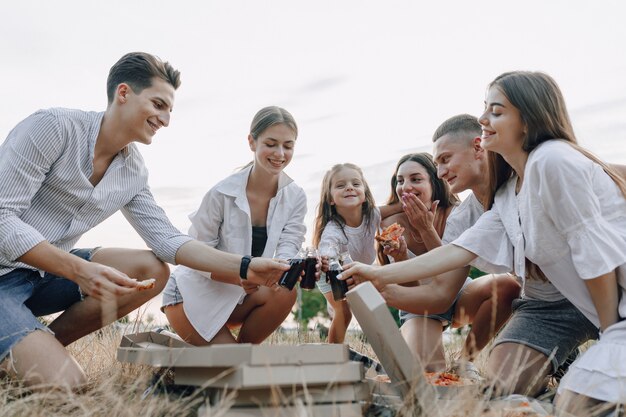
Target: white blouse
{"points": [[569, 218], [464, 216], [223, 222]]}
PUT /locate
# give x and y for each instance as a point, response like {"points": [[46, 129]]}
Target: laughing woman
{"points": [[557, 208], [258, 211]]}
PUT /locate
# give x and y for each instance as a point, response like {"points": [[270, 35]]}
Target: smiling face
{"points": [[144, 113], [412, 178], [503, 128], [273, 148], [347, 189], [460, 161]]}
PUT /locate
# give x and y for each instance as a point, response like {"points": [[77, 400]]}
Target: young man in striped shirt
{"points": [[64, 171]]}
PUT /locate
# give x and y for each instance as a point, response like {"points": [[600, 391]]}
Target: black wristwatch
{"points": [[243, 269]]}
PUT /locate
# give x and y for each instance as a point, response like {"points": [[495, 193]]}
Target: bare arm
{"points": [[433, 298], [200, 256], [439, 260], [390, 210], [604, 294], [94, 279]]}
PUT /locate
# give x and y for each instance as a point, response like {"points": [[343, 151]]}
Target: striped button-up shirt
{"points": [[45, 193]]}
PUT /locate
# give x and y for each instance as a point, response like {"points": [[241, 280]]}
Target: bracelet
{"points": [[243, 269]]}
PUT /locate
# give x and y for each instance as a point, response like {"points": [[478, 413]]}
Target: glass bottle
{"points": [[310, 268], [339, 287], [290, 277]]}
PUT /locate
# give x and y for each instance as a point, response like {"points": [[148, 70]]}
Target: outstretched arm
{"points": [[432, 298], [437, 261], [200, 256]]}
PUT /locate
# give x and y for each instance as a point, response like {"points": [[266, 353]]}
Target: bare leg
{"points": [[39, 359], [423, 335], [182, 326], [89, 315], [485, 302], [341, 319], [261, 313], [517, 369], [581, 405]]}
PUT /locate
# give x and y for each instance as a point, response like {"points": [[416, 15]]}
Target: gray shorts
{"points": [[446, 318], [554, 328]]}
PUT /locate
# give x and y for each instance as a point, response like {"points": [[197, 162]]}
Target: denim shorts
{"points": [[446, 318], [26, 295], [554, 328], [171, 293]]}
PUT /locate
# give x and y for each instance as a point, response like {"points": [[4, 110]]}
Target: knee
{"points": [[508, 288], [157, 269]]}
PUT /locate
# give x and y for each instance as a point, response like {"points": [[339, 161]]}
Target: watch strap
{"points": [[243, 268]]}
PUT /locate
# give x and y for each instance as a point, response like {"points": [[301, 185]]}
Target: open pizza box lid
{"points": [[405, 372]]}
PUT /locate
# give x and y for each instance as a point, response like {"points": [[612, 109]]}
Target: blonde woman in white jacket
{"points": [[258, 211]]}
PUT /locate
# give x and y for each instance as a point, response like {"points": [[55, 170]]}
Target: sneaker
{"points": [[466, 369], [365, 360]]}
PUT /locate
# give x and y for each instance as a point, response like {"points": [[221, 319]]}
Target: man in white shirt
{"points": [[61, 173]]}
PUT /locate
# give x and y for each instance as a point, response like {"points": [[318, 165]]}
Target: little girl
{"points": [[348, 219]]}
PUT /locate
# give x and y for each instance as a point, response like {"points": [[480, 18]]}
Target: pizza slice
{"points": [[390, 236], [146, 284]]}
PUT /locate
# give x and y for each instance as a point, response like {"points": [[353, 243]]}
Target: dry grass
{"points": [[116, 389]]}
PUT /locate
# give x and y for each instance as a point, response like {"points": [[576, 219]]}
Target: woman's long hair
{"points": [[327, 212], [441, 189], [542, 108]]}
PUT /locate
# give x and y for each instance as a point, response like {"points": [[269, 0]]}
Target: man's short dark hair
{"points": [[462, 123], [137, 69]]}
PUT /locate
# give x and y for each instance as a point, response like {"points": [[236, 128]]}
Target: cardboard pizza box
{"points": [[406, 373], [290, 395], [246, 376], [308, 410], [155, 349]]}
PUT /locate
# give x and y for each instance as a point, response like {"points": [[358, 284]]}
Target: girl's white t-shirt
{"points": [[358, 241]]}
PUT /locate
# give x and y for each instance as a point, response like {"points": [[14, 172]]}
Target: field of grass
{"points": [[116, 389]]}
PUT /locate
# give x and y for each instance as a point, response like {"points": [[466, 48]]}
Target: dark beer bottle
{"points": [[339, 287], [290, 277], [310, 268]]}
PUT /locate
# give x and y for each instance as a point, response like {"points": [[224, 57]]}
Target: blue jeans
{"points": [[26, 295]]}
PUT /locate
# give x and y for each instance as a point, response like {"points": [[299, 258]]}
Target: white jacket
{"points": [[223, 222]]}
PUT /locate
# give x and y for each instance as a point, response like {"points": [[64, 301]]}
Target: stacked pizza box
{"points": [[258, 380]]}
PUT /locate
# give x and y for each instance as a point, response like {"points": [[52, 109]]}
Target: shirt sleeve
{"points": [[332, 236], [566, 182], [455, 225], [26, 157], [488, 240], [154, 227], [292, 236]]}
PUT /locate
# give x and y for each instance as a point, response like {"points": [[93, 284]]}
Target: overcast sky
{"points": [[366, 81]]}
